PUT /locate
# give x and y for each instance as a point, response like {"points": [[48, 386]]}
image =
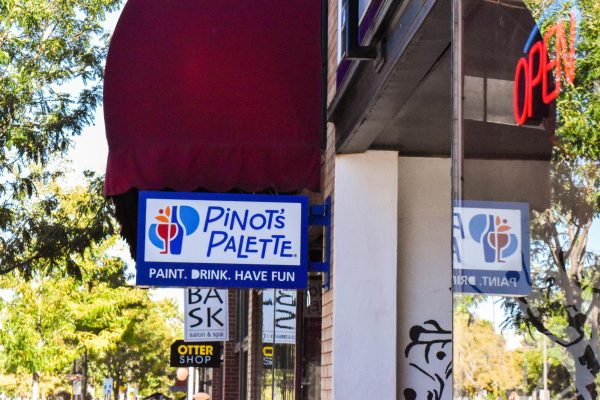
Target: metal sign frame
{"points": [[486, 280], [171, 273]]}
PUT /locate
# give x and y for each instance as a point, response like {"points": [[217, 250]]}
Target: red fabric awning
{"points": [[214, 95]]}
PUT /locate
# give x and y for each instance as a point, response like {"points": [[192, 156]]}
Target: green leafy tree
{"points": [[482, 361], [559, 379], [118, 332], [578, 116], [34, 323], [82, 310], [49, 49], [141, 355], [70, 300], [565, 302], [51, 231]]}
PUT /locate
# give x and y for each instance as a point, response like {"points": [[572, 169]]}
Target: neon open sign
{"points": [[536, 68]]}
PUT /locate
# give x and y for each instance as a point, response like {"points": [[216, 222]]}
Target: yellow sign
{"points": [[195, 354], [268, 351], [195, 349]]}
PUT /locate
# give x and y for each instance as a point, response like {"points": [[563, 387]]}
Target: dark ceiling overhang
{"points": [[413, 38], [402, 100]]}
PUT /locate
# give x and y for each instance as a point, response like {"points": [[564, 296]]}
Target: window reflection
{"points": [[531, 136]]}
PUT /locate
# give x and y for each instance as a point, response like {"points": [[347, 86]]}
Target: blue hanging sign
{"points": [[222, 240], [490, 246]]}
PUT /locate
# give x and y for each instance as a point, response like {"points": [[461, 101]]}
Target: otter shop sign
{"points": [[222, 240], [490, 246], [199, 355], [267, 352]]}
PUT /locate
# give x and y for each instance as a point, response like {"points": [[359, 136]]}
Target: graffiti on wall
{"points": [[430, 352]]}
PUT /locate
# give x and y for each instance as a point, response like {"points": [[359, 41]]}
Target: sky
{"points": [[90, 150]]}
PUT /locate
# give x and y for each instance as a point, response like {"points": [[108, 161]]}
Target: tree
{"points": [[565, 302], [141, 355], [48, 49], [84, 308], [53, 229], [50, 322], [483, 362], [33, 324], [69, 298], [559, 379]]}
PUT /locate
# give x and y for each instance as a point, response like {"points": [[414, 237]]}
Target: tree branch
{"points": [[539, 325]]}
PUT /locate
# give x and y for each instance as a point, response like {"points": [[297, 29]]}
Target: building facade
{"points": [[460, 162]]}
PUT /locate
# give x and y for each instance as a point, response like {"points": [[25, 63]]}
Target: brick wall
{"points": [[216, 389], [328, 184], [229, 376]]}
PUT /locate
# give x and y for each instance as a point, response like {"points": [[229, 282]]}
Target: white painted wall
{"points": [[365, 257], [424, 275]]}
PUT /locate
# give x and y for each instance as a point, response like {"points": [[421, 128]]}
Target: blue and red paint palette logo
{"points": [[494, 235], [174, 223]]}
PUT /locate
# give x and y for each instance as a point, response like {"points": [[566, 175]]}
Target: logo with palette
{"points": [[173, 224]]}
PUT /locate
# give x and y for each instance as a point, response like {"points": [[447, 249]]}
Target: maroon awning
{"points": [[214, 95]]}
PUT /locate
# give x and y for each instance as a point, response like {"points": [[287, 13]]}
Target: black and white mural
{"points": [[430, 353]]}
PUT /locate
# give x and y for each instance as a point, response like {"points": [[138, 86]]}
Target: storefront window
{"points": [[310, 374], [277, 347], [279, 319], [526, 217]]}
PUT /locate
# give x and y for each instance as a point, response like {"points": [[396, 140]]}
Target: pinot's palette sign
{"points": [[222, 240], [490, 246]]}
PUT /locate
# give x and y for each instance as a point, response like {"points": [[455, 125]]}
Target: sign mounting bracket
{"points": [[320, 215]]}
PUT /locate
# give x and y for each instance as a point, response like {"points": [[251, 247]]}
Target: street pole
{"points": [[524, 376], [546, 397]]}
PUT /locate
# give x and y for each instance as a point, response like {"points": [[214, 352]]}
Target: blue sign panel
{"points": [[222, 240], [490, 246]]}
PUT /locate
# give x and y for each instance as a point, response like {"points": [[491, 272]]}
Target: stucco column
{"points": [[365, 257], [424, 278]]}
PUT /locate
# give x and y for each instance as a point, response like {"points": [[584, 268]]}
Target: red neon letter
{"points": [[522, 68], [535, 77], [568, 59], [551, 64], [531, 74]]}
